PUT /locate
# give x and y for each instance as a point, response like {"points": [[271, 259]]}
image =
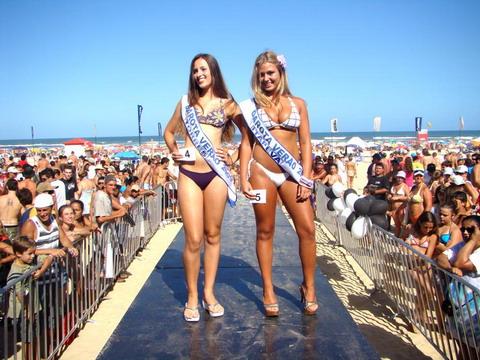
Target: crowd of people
{"points": [[433, 205], [438, 189], [49, 203]]}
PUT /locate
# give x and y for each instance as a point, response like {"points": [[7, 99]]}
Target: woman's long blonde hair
{"points": [[219, 90], [282, 88]]}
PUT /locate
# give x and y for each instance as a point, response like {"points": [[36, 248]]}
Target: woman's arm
{"points": [[427, 199], [432, 243], [169, 133], [455, 237], [245, 152], [303, 193]]}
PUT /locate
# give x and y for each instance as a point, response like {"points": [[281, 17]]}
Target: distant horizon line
{"points": [[156, 135]]}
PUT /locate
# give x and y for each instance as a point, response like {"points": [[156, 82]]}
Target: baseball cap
{"points": [[98, 167], [43, 201], [401, 174], [44, 187], [462, 169], [12, 169], [135, 187], [418, 172], [458, 180], [448, 171], [462, 157]]}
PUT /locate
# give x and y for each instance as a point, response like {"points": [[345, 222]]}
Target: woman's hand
{"points": [[303, 193], [223, 155], [248, 190], [176, 156]]}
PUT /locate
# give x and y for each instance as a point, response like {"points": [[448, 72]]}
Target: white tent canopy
{"points": [[357, 142]]}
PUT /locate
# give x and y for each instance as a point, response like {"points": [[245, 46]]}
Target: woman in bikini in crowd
{"points": [[202, 194], [420, 199], [351, 171], [449, 234], [396, 198], [332, 176], [286, 117]]}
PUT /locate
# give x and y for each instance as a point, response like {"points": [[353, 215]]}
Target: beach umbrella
{"points": [[127, 155], [356, 141]]}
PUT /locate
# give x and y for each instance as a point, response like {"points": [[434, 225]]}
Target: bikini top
{"points": [[400, 191], [292, 123], [215, 118], [414, 241], [445, 238]]}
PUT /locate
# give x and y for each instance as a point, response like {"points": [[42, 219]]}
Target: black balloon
{"points": [[362, 205], [350, 220], [378, 207], [330, 205], [348, 191], [381, 221], [329, 193]]}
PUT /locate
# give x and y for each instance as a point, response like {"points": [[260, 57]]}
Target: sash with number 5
{"points": [[205, 147], [271, 146]]}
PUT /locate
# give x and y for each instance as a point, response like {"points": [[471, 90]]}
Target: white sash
{"points": [[205, 147], [271, 146]]}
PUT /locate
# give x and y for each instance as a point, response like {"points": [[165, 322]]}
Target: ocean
{"points": [[384, 136]]}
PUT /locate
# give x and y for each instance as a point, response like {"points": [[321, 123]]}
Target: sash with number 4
{"points": [[271, 146], [205, 147]]}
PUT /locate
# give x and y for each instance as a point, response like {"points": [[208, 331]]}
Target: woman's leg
{"points": [[190, 199], [214, 199], [302, 216], [265, 220]]}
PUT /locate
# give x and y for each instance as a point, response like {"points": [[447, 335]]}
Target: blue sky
{"points": [[67, 66]]}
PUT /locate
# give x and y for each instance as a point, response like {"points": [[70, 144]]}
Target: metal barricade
{"points": [[43, 316], [444, 307]]}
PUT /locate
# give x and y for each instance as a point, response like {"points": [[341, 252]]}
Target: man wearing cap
{"points": [[12, 172], [10, 209], [47, 175], [376, 159], [103, 206], [447, 176], [462, 171], [45, 231]]}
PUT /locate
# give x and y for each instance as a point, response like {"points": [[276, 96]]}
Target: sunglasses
{"points": [[101, 183], [51, 192], [469, 229]]}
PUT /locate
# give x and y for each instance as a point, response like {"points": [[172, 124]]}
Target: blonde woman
{"points": [[282, 118]]}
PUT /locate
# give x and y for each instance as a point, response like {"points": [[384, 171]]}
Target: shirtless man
{"points": [[143, 172], [10, 209], [42, 163], [163, 173], [28, 183]]}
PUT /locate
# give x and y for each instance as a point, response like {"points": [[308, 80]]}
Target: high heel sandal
{"points": [[210, 309], [309, 307], [271, 310], [194, 311]]}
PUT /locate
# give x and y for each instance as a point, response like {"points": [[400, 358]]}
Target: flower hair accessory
{"points": [[282, 60]]}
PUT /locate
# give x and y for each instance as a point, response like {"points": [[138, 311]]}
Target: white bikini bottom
{"points": [[277, 178]]}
